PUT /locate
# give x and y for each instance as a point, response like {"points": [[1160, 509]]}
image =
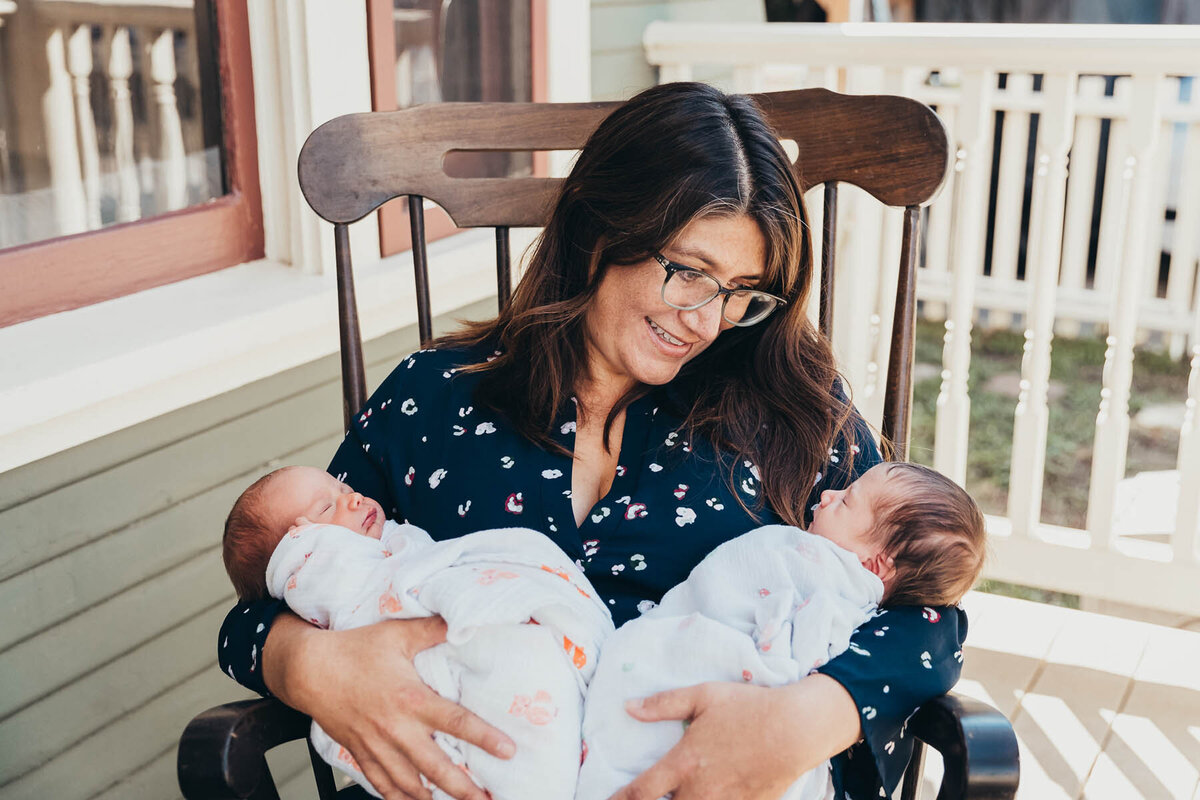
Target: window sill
{"points": [[69, 378]]}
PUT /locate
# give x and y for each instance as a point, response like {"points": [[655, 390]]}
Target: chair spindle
{"points": [[828, 239], [912, 775], [416, 221], [323, 774], [354, 382], [897, 411], [503, 266]]}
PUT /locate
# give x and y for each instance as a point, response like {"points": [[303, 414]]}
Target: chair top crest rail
{"points": [[892, 147]]}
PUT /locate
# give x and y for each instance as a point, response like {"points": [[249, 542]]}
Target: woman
{"points": [[655, 388]]}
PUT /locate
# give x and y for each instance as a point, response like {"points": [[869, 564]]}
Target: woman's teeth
{"points": [[664, 335]]}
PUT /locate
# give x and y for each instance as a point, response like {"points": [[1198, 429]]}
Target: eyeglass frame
{"points": [[672, 267]]}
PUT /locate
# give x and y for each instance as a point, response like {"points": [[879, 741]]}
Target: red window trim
{"points": [[60, 274], [395, 235]]}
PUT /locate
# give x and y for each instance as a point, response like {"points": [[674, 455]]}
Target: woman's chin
{"points": [[657, 374]]}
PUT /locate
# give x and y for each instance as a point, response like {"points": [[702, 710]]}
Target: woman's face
{"points": [[635, 337]]}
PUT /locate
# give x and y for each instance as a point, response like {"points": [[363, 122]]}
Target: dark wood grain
{"points": [[503, 267], [897, 408], [892, 147], [828, 260], [416, 218], [354, 377]]}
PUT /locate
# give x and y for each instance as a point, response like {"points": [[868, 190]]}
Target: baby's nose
{"points": [[827, 497], [353, 500]]}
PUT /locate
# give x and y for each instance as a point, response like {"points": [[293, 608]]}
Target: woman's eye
{"points": [[689, 276]]}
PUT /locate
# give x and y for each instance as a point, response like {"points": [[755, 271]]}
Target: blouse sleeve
{"points": [[360, 462], [901, 658]]}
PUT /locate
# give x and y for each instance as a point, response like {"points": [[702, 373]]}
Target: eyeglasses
{"points": [[687, 289]]}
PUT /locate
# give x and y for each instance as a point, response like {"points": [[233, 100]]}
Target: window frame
{"points": [[395, 233], [46, 277]]}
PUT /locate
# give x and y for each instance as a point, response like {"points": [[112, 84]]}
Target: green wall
{"points": [[113, 588], [619, 68]]}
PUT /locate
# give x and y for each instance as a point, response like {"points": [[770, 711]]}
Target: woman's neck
{"points": [[597, 399]]}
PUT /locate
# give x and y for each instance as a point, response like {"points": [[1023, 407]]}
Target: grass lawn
{"points": [[1075, 374]]}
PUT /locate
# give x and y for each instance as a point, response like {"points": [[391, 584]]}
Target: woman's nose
{"points": [[827, 497], [706, 320]]}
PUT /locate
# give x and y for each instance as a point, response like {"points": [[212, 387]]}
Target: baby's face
{"points": [[847, 516], [303, 495]]}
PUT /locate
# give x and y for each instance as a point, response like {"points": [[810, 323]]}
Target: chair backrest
{"points": [[894, 148]]}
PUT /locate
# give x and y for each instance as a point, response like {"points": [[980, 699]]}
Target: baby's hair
{"points": [[934, 532], [249, 541]]}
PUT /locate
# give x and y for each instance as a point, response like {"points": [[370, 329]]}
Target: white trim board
{"points": [[69, 378]]}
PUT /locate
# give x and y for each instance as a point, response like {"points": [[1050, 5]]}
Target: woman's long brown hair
{"points": [[765, 393]]}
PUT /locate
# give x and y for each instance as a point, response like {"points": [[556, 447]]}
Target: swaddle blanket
{"points": [[766, 608], [526, 679]]}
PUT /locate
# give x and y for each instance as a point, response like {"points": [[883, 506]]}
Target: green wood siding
{"points": [[112, 583], [619, 68]]}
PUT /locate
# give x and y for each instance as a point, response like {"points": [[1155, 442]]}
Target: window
{"points": [[127, 149], [428, 51]]}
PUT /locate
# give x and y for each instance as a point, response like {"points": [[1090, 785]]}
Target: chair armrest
{"points": [[977, 745], [221, 750]]}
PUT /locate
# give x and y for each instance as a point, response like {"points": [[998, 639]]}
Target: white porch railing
{"points": [[1150, 115], [89, 154]]}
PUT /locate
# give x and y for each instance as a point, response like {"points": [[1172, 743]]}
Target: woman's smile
{"points": [[635, 337], [676, 345]]}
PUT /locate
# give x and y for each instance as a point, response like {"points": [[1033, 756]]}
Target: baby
{"points": [[776, 603], [303, 536]]}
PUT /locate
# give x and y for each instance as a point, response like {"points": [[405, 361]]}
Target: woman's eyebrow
{"points": [[694, 254]]}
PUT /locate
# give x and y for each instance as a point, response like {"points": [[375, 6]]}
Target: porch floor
{"points": [[1103, 707]]}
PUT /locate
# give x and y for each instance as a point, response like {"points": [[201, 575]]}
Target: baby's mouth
{"points": [[370, 520]]}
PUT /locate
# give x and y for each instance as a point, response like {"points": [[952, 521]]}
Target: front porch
{"points": [[1103, 707]]}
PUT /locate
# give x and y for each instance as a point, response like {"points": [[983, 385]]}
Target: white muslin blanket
{"points": [[766, 608], [526, 679]]}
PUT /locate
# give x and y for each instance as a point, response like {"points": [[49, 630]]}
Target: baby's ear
{"points": [[883, 565], [300, 523]]}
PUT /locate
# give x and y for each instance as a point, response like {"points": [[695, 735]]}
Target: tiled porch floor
{"points": [[1103, 707]]}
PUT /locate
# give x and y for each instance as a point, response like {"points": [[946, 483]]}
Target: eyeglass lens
{"points": [[691, 289]]}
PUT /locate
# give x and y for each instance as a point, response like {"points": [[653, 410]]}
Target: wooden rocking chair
{"points": [[894, 148]]}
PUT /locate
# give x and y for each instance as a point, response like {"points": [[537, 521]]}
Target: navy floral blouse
{"points": [[429, 454]]}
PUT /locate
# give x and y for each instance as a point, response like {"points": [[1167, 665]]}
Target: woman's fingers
{"points": [[663, 778], [451, 779], [421, 634], [399, 779], [451, 718], [672, 704]]}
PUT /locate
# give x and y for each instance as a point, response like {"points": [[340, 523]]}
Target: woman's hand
{"points": [[362, 687], [744, 741]]}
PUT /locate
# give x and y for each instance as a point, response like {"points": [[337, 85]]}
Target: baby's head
{"points": [[278, 502], [913, 527]]}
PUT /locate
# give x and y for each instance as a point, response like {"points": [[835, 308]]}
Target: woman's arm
{"points": [[745, 741]]}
